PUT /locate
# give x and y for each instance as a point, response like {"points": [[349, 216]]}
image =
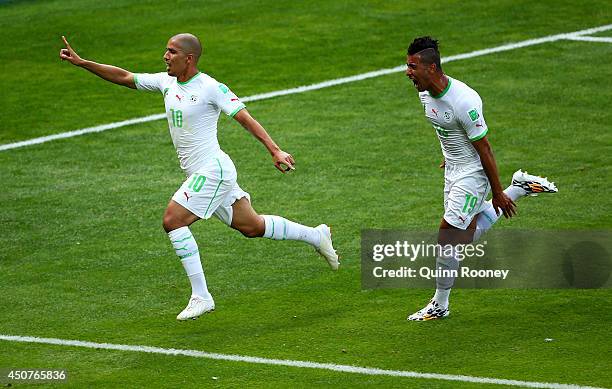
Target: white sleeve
{"points": [[226, 100], [471, 118], [149, 82]]}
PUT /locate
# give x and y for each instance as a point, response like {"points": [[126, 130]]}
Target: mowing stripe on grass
{"points": [[321, 85], [290, 363]]}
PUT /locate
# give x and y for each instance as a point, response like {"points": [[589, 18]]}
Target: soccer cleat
{"points": [[197, 306], [533, 184], [326, 249], [432, 311]]}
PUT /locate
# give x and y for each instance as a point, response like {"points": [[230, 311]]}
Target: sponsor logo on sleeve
{"points": [[223, 88], [166, 92], [474, 115]]}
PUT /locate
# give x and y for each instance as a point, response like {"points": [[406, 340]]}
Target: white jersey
{"points": [[192, 110], [456, 115]]}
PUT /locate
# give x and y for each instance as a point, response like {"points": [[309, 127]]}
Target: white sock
{"points": [[444, 284], [487, 217], [485, 220], [186, 248], [441, 296], [279, 228], [515, 192]]}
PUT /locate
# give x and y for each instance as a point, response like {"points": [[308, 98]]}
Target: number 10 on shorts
{"points": [[470, 203], [197, 182]]}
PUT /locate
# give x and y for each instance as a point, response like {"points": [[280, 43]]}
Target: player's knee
{"points": [[170, 222], [251, 231]]}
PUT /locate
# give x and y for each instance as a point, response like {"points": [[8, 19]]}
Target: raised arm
{"points": [[500, 200], [278, 156], [110, 73]]}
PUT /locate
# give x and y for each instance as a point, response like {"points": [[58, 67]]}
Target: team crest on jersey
{"points": [[474, 115], [193, 99], [447, 116]]}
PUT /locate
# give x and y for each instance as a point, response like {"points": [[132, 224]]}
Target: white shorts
{"points": [[212, 190], [464, 198]]}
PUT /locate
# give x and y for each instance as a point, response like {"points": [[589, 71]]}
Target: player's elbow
{"points": [[128, 81]]}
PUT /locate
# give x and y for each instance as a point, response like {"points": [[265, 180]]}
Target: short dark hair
{"points": [[427, 48]]}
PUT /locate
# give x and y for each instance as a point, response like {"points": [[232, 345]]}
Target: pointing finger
{"points": [[66, 42]]}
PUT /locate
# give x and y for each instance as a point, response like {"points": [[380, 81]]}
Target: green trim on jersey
{"points": [[136, 80], [237, 110], [450, 81], [188, 81], [479, 137]]}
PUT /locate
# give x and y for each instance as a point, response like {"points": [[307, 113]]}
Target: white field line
{"points": [[321, 85], [290, 363], [590, 38]]}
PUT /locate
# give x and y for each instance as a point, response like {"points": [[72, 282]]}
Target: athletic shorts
{"points": [[212, 190], [464, 197]]}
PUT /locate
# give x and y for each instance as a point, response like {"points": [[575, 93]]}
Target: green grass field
{"points": [[83, 255]]}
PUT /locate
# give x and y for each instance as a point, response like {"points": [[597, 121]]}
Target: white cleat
{"points": [[326, 248], [432, 311], [197, 306], [533, 184]]}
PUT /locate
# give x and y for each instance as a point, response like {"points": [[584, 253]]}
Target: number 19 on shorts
{"points": [[177, 117], [470, 203]]}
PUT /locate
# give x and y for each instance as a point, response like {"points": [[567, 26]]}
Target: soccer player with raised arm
{"points": [[470, 171], [193, 102]]}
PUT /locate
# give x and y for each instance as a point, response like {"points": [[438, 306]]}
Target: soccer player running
{"points": [[470, 171], [193, 102]]}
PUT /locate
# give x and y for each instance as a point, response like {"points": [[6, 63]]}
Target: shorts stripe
{"points": [[220, 168], [216, 190], [483, 197]]}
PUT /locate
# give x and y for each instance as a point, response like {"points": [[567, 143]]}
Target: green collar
{"points": [[188, 81], [450, 80]]}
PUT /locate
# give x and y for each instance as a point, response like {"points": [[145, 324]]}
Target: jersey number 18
{"points": [[177, 117]]}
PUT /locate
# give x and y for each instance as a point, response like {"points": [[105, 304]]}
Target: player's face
{"points": [[418, 72], [175, 58]]}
